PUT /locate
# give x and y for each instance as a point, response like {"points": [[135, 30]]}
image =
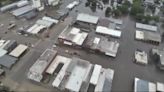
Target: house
{"points": [[102, 45], [72, 36], [101, 79], [154, 38], [68, 77], [158, 56], [86, 21], [160, 87], [144, 86], [141, 57], [37, 70]]}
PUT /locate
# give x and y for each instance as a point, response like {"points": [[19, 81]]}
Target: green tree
{"points": [[136, 8], [139, 17], [108, 11], [93, 6], [126, 2], [116, 12], [123, 9], [155, 18], [105, 1], [157, 1], [152, 8]]}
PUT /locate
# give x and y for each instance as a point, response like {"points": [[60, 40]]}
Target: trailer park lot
{"points": [[123, 65]]}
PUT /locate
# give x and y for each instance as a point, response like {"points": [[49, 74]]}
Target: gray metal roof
{"points": [[152, 36], [30, 15], [38, 68], [146, 27], [22, 10], [45, 23], [103, 45], [107, 85], [104, 22], [10, 46], [87, 18], [8, 7], [7, 61], [42, 62], [2, 52], [142, 86]]}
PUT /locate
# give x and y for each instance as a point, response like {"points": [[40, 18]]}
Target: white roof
{"points": [[74, 31], [32, 28], [105, 81], [112, 48], [141, 57], [50, 19], [160, 87], [151, 86], [146, 27], [22, 3], [107, 31], [18, 50], [79, 38], [139, 35], [72, 5], [2, 42], [76, 78], [38, 68], [44, 23], [59, 59], [5, 43], [95, 75], [55, 63], [96, 40], [87, 18], [37, 29], [67, 43]]}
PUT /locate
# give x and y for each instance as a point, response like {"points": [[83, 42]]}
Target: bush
{"points": [[136, 8], [116, 12], [123, 9]]}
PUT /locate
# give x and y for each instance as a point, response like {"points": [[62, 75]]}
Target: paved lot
{"points": [[125, 68]]}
